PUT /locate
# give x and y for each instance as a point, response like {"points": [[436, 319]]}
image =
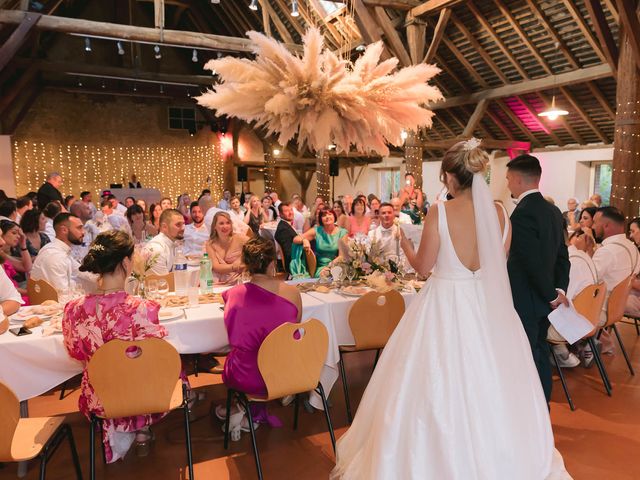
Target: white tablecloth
{"points": [[31, 365]]}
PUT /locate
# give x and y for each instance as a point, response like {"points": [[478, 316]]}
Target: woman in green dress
{"points": [[327, 235]]}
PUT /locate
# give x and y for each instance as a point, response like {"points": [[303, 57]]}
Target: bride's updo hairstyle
{"points": [[463, 160], [107, 251]]}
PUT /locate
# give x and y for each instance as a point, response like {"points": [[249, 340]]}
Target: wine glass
{"points": [[351, 274], [163, 287], [152, 289]]}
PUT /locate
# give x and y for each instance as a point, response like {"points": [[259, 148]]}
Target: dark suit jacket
{"points": [[48, 193], [538, 260], [284, 236]]}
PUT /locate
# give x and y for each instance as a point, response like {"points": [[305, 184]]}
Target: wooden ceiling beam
{"points": [[395, 4], [494, 118], [478, 48], [496, 39], [584, 28], [438, 33], [307, 14], [612, 8], [605, 37], [602, 100], [475, 118], [629, 20], [135, 33], [580, 75], [17, 37], [285, 36], [506, 12], [445, 68], [487, 143], [392, 36], [432, 6], [416, 33], [580, 111]]}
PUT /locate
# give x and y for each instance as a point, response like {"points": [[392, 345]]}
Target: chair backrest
{"points": [[168, 277], [589, 302], [374, 317], [40, 291], [312, 263], [134, 377], [617, 301], [9, 417], [291, 362]]}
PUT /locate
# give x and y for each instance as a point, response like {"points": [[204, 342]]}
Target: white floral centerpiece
{"points": [[143, 262], [365, 258]]}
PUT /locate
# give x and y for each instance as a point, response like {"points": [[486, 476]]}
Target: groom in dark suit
{"points": [[538, 261]]}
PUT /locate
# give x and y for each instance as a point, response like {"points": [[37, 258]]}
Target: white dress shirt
{"points": [[121, 209], [524, 194], [7, 290], [298, 221], [55, 264], [390, 243], [224, 205], [615, 260], [582, 272], [119, 222], [48, 228], [194, 238], [165, 248]]}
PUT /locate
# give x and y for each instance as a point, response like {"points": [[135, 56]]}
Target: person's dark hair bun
{"points": [[107, 251], [257, 254]]}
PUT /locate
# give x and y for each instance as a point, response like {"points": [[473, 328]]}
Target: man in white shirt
{"points": [[209, 214], [163, 244], [117, 207], [274, 197], [237, 217], [300, 218], [618, 257], [224, 203], [387, 234], [196, 233], [117, 221], [50, 211], [10, 298], [54, 262], [401, 216], [85, 197]]}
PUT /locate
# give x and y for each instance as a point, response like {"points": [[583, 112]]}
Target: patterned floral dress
{"points": [[93, 320]]}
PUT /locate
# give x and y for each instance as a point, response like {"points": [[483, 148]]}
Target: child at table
{"points": [[248, 325], [111, 313]]}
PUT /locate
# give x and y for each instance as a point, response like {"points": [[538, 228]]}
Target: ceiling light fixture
{"points": [[194, 56], [553, 112], [276, 151], [294, 8], [254, 5], [87, 44], [156, 49], [120, 49]]}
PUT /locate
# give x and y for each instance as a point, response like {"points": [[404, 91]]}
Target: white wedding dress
{"points": [[456, 394]]}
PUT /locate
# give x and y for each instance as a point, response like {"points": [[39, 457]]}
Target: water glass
{"points": [[152, 289], [193, 294], [163, 287]]}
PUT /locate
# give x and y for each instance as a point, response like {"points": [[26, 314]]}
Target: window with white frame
{"points": [[389, 183], [602, 180]]}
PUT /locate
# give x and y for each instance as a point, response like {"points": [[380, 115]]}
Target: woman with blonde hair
{"points": [[225, 249], [255, 215], [467, 402]]}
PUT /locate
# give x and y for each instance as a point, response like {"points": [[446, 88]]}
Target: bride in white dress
{"points": [[456, 394]]}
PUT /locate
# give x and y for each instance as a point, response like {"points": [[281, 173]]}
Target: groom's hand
{"points": [[560, 300]]}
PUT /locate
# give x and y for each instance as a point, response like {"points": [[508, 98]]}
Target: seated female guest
{"points": [[155, 210], [10, 296], [18, 260], [248, 326], [327, 236], [255, 215], [359, 222], [268, 209], [140, 229], [374, 204], [225, 249], [586, 220], [32, 224], [341, 215], [111, 313]]}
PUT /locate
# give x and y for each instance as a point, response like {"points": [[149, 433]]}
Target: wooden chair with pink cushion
{"points": [[372, 320], [23, 439], [290, 361], [40, 291], [132, 378]]}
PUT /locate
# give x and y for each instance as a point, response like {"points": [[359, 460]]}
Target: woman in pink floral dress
{"points": [[111, 313]]}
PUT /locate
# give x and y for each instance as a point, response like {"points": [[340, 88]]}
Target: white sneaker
{"points": [[286, 401], [568, 361]]}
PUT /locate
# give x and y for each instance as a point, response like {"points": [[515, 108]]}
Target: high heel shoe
{"points": [[235, 421]]}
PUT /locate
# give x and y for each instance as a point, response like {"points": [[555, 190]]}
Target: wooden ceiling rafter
{"points": [[517, 122], [438, 34], [603, 32], [584, 28], [575, 104], [597, 93], [393, 40]]}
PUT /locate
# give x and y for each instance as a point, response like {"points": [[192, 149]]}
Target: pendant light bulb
{"points": [[194, 56], [294, 8], [254, 5]]}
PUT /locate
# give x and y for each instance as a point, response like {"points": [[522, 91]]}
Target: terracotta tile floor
{"points": [[600, 440]]}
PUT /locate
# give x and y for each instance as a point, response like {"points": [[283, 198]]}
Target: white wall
{"points": [[7, 180], [369, 178]]}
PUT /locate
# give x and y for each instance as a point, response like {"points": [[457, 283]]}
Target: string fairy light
{"points": [[172, 170], [322, 174]]}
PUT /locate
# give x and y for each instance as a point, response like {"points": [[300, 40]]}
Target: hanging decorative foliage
{"points": [[324, 99]]}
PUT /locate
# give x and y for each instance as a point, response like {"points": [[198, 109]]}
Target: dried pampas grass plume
{"points": [[321, 98]]}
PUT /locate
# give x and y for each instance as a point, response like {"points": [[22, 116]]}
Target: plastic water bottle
{"points": [[206, 275], [180, 273]]}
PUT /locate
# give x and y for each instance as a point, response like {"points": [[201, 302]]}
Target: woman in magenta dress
{"points": [[91, 321], [248, 324]]}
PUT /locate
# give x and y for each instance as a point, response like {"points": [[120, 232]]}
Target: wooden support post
{"points": [[626, 153], [413, 157], [322, 175]]}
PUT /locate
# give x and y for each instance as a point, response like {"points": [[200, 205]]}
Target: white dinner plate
{"points": [[26, 313], [349, 293], [170, 313]]}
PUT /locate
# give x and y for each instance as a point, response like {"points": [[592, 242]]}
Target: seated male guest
{"points": [[118, 208], [237, 217], [388, 234], [55, 263], [247, 327], [23, 204], [86, 198], [633, 302], [397, 209], [291, 242], [164, 244], [117, 221], [9, 211], [196, 233], [582, 273], [10, 298], [50, 211]]}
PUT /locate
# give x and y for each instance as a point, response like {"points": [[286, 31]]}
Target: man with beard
{"points": [[287, 236], [196, 233], [54, 262], [163, 245]]}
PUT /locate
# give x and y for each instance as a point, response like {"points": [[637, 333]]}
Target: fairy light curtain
{"points": [[172, 170]]}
